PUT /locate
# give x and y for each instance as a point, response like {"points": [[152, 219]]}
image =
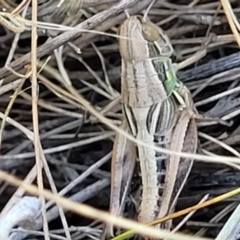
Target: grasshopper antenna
{"points": [[127, 14], [147, 11]]}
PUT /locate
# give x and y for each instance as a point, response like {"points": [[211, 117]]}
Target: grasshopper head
{"points": [[141, 39]]}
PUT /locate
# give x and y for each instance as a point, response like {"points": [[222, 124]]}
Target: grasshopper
{"points": [[157, 109]]}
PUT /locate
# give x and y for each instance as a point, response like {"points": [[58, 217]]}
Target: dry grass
{"points": [[60, 108]]}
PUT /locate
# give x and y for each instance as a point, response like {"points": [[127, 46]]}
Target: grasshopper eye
{"points": [[150, 33]]}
